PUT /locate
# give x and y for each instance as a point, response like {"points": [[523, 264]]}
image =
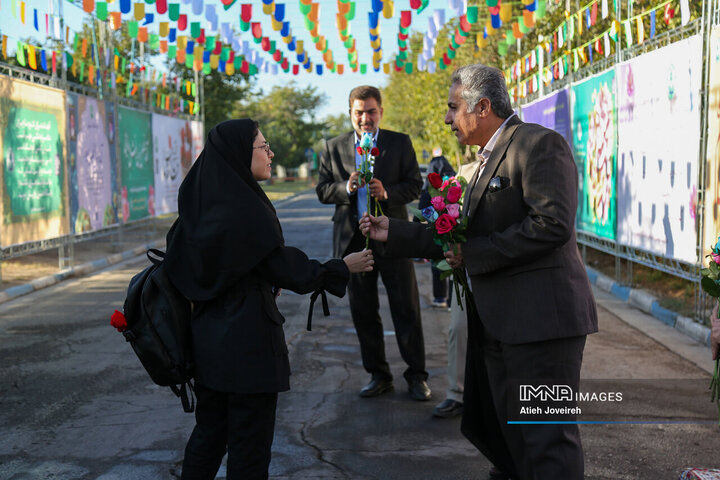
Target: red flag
{"points": [[246, 12]]}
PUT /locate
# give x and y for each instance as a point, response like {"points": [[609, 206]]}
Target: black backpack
{"points": [[158, 328]]}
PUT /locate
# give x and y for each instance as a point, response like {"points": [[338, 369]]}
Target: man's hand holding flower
{"points": [[375, 227], [454, 256]]}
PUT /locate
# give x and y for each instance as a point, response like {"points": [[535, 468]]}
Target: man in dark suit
{"points": [[533, 306], [396, 182]]}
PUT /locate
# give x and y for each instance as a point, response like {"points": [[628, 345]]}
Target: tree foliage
{"points": [[416, 104], [286, 115]]}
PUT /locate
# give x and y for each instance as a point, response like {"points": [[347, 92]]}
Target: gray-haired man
{"points": [[533, 303]]}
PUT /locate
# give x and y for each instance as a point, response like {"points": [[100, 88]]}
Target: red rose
{"points": [[454, 194], [435, 179], [359, 150], [375, 152], [444, 223], [118, 321]]}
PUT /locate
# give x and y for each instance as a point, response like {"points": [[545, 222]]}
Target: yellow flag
{"points": [[139, 11], [505, 12], [389, 9], [32, 59]]}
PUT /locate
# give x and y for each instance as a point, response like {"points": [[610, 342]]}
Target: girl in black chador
{"points": [[226, 253]]}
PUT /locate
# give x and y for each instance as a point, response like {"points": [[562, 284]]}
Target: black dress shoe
{"points": [[376, 387], [419, 390], [497, 474], [448, 408]]}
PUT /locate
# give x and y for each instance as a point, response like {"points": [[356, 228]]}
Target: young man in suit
{"points": [[533, 306], [396, 182]]}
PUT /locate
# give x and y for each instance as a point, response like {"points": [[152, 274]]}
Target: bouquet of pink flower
{"points": [[444, 217], [710, 282]]}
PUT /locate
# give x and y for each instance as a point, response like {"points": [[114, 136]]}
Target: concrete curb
{"points": [[280, 203], [649, 304], [76, 271], [90, 267]]}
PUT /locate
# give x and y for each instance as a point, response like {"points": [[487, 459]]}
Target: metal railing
{"points": [[66, 243]]}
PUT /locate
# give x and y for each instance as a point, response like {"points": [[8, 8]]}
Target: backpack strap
{"points": [[188, 401], [326, 308], [158, 253]]}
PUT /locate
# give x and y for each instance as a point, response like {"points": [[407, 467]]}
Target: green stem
{"points": [[715, 386], [367, 194]]}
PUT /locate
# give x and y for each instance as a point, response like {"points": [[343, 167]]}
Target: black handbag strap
{"points": [[187, 399], [158, 253], [326, 308]]}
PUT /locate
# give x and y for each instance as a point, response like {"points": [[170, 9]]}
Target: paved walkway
{"points": [[77, 405]]}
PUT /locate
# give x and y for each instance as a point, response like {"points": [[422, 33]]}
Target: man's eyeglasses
{"points": [[266, 146]]}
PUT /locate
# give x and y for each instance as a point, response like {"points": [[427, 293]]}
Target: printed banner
{"points": [[198, 141], [34, 180], [169, 153], [92, 169], [137, 196], [712, 174], [594, 144], [552, 111], [658, 144]]}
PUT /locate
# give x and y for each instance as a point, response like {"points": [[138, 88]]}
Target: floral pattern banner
{"points": [[92, 166], [712, 174], [595, 148], [659, 98], [137, 190]]}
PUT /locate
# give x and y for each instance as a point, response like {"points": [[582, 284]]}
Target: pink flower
{"points": [[454, 194], [716, 258], [444, 185], [453, 210], [438, 203]]}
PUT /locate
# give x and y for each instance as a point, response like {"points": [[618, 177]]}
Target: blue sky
{"points": [[336, 87]]}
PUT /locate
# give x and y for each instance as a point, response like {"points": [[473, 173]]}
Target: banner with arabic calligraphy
{"points": [[92, 166], [595, 145], [552, 111], [659, 98], [137, 195], [170, 152], [32, 132]]}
